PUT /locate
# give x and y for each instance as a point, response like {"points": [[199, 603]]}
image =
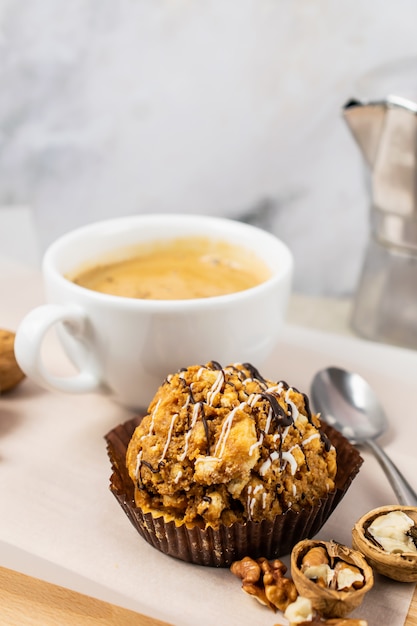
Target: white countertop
{"points": [[321, 313], [73, 515]]}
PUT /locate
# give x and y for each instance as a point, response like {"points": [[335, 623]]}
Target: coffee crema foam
{"points": [[176, 269]]}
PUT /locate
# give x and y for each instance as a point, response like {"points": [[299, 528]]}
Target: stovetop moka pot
{"points": [[385, 305]]}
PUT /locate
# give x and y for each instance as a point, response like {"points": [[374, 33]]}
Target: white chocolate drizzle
{"points": [[256, 445], [250, 502], [268, 420], [138, 463], [225, 431], [252, 499], [168, 441], [288, 457], [278, 389], [152, 422], [253, 399], [148, 434], [215, 389], [313, 436], [281, 436], [196, 411], [285, 455], [265, 466], [294, 409]]}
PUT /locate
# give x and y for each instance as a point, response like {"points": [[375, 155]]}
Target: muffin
{"points": [[226, 464]]}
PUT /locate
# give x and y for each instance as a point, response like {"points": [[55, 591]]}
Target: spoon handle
{"points": [[402, 489]]}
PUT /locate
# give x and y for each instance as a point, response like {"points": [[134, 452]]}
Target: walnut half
{"points": [[387, 537], [334, 577]]}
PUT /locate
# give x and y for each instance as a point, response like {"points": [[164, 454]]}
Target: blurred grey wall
{"points": [[230, 107]]}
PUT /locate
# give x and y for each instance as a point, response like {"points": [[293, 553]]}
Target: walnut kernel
{"points": [[265, 580]]}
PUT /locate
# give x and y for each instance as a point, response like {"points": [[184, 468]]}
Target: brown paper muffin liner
{"points": [[220, 547]]}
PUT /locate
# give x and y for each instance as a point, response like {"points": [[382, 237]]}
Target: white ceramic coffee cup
{"points": [[125, 347]]}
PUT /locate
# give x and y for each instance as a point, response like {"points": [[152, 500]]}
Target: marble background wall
{"points": [[231, 107]]}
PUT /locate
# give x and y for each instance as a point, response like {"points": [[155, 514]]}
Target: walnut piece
{"points": [[266, 581], [300, 612], [10, 372], [347, 576], [247, 570], [315, 566]]}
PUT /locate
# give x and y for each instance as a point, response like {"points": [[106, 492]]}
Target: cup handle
{"points": [[28, 348]]}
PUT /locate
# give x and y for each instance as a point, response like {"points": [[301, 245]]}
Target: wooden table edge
{"points": [[27, 598]]}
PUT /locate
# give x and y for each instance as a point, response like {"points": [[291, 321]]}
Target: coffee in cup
{"points": [[174, 269], [124, 346]]}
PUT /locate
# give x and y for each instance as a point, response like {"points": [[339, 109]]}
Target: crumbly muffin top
{"points": [[223, 444]]}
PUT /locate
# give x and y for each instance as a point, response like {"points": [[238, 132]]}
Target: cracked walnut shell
{"points": [[387, 537], [334, 577]]}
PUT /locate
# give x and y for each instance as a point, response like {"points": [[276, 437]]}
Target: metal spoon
{"points": [[347, 402]]}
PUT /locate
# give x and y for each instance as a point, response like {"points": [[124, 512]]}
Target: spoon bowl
{"points": [[347, 402]]}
